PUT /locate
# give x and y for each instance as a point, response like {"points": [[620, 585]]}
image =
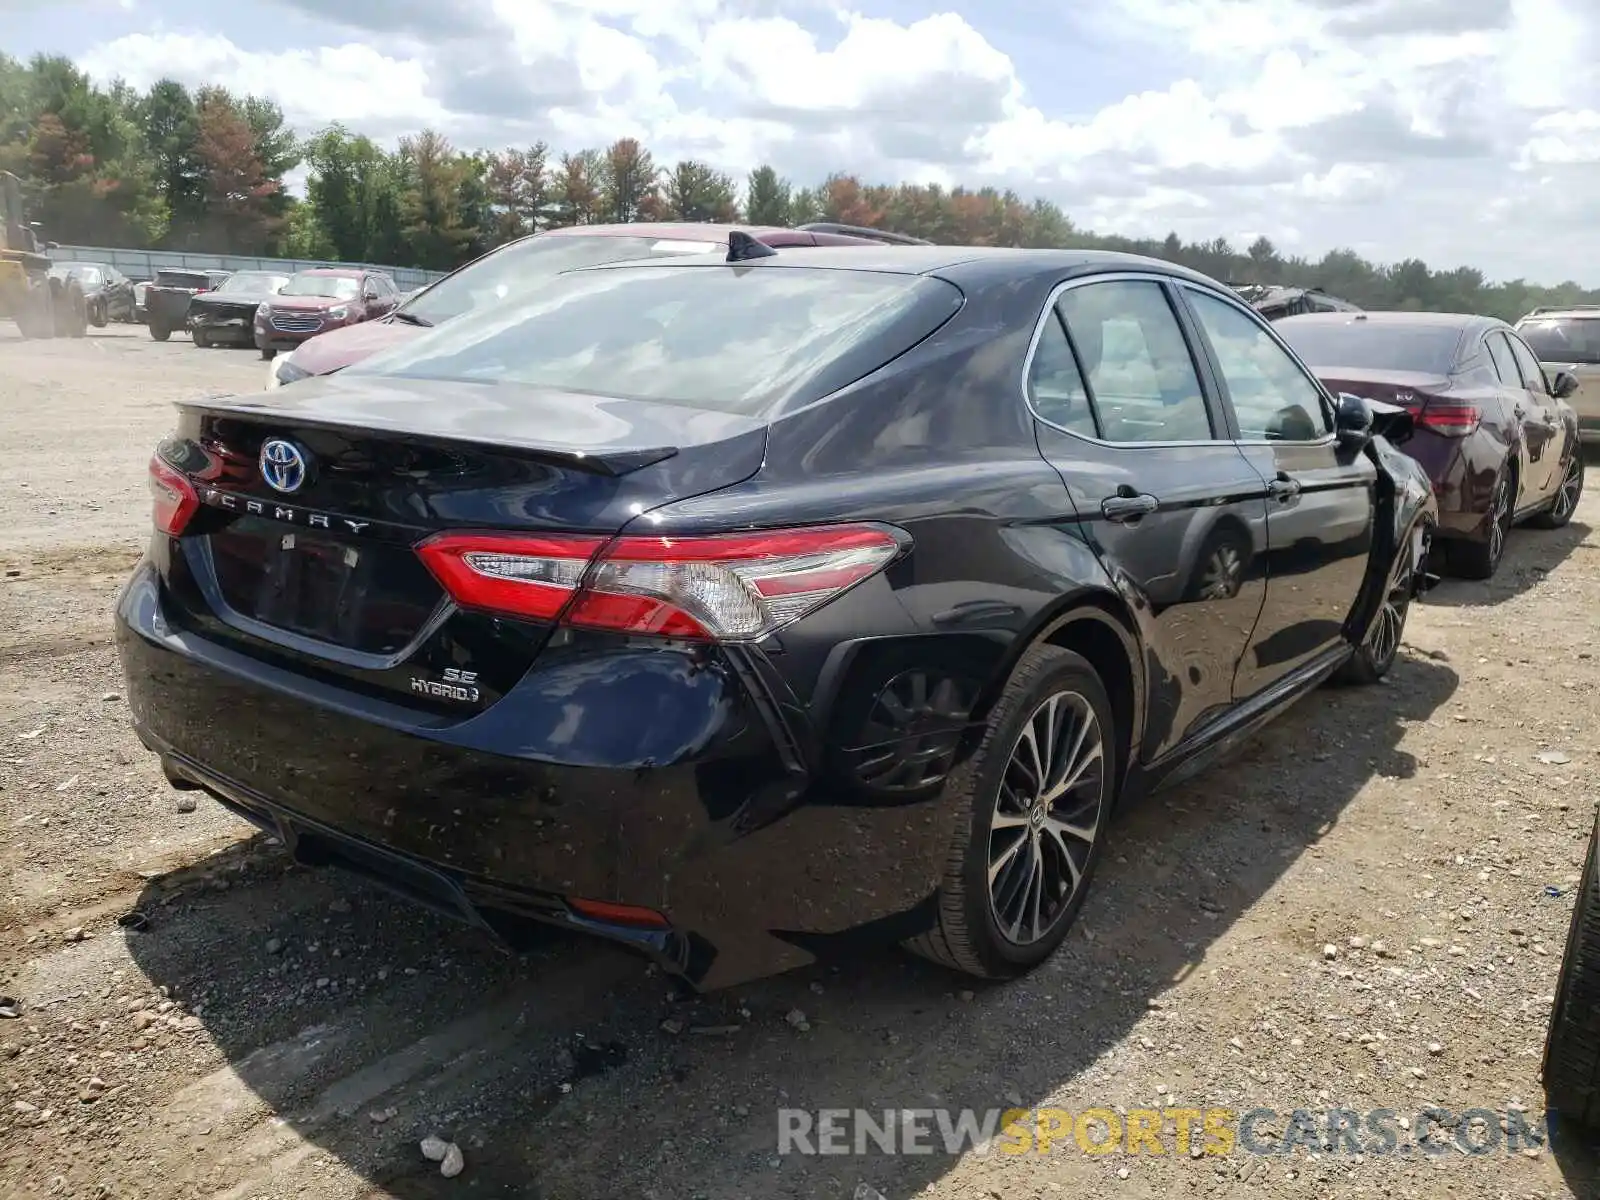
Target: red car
{"points": [[527, 262], [1495, 435], [321, 300]]}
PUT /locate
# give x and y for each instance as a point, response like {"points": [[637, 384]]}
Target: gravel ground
{"points": [[1365, 911]]}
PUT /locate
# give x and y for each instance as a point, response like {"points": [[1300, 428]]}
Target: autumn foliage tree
{"points": [[238, 195]]}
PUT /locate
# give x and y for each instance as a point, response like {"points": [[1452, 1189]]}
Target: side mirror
{"points": [[57, 246], [1563, 384], [1352, 422]]}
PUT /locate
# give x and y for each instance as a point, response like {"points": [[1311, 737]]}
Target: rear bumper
{"points": [[1462, 472], [542, 798]]}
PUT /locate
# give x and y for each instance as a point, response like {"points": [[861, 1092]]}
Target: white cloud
{"points": [[1386, 125]]}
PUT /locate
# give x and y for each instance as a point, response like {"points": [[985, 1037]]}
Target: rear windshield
{"points": [[521, 267], [1563, 339], [1366, 346], [733, 339], [183, 279]]}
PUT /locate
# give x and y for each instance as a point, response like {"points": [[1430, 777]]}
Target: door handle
{"points": [[1128, 505], [1283, 487]]}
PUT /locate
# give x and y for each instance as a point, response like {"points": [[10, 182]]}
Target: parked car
{"points": [[169, 295], [107, 292], [1497, 437], [228, 314], [731, 609], [1568, 339], [1276, 301], [141, 311], [1572, 1042], [324, 298], [518, 267]]}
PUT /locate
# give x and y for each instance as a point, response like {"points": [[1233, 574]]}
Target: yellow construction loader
{"points": [[42, 306]]}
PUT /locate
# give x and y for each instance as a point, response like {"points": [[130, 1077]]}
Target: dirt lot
{"points": [[274, 1032]]}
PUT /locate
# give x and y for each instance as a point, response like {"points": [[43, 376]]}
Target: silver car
{"points": [[1568, 339]]}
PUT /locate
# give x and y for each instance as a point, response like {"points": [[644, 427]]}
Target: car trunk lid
{"points": [[1427, 396], [323, 567]]}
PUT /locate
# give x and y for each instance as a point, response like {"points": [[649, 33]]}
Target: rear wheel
{"points": [[97, 315], [1567, 495], [1034, 802], [1480, 560], [71, 311], [268, 354], [202, 339], [159, 331], [1572, 1045]]}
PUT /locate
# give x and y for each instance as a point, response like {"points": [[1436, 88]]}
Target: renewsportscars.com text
{"points": [[1176, 1131]]}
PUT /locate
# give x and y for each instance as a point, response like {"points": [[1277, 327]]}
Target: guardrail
{"points": [[140, 265]]}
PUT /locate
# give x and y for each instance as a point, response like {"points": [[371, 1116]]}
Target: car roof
{"points": [[976, 265], [343, 272], [1397, 320]]}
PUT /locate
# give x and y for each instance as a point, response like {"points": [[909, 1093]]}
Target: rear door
{"points": [[1126, 416], [1321, 496]]}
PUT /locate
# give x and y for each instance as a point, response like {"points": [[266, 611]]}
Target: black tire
{"points": [[1380, 646], [968, 936], [36, 320], [97, 315], [267, 354], [202, 340], [1570, 491], [1480, 560], [159, 332], [1572, 1045]]}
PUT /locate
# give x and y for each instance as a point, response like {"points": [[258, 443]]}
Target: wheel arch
{"points": [[1098, 625]]}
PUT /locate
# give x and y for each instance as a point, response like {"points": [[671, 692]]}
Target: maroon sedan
{"points": [[1495, 435], [521, 265], [320, 300]]}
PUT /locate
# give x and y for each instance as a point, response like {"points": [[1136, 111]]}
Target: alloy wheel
{"points": [[1047, 817], [1220, 580], [1383, 639], [1571, 488], [1499, 517]]}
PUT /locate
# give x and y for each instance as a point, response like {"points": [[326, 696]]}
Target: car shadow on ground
{"points": [[366, 1025], [1531, 554]]}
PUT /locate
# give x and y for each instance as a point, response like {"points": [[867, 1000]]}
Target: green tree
{"points": [[696, 192], [627, 181], [767, 197]]}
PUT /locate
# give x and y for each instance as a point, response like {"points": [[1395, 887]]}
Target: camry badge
{"points": [[283, 465]]}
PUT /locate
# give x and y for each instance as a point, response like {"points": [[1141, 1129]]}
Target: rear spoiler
{"points": [[614, 463]]}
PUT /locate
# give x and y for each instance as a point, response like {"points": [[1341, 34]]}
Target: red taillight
{"points": [[725, 587], [617, 914], [175, 500], [1450, 418]]}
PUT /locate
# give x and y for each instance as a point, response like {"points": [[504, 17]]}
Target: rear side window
{"points": [[1563, 339], [1505, 365], [732, 339], [1140, 372], [1055, 385]]}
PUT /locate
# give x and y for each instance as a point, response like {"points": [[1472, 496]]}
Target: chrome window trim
{"points": [[1038, 334]]}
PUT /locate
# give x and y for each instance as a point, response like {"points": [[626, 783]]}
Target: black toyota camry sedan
{"points": [[737, 606]]}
